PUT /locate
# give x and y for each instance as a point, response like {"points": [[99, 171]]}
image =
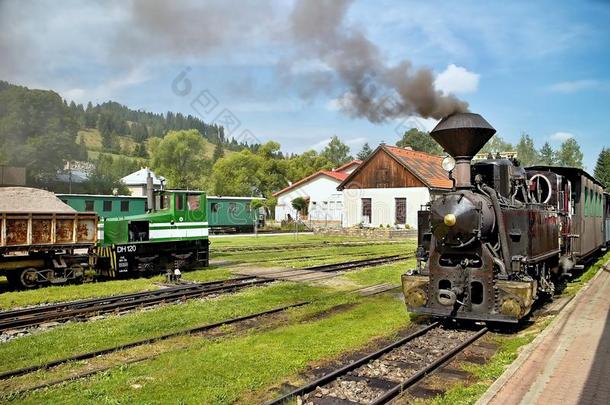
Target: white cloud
{"points": [[456, 79], [574, 86], [561, 136], [334, 104], [355, 142]]}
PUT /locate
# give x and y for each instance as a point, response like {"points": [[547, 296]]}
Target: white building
{"points": [[325, 203], [136, 182], [390, 186]]}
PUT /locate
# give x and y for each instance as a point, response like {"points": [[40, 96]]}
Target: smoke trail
{"points": [[376, 90]]}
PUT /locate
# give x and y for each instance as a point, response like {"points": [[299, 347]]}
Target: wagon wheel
{"points": [[28, 278], [77, 271]]}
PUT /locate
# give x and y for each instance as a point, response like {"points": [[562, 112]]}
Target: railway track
{"points": [[365, 291], [59, 312], [380, 377], [237, 249], [33, 316]]}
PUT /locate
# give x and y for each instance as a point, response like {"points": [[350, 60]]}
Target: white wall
{"points": [[383, 205], [325, 202]]}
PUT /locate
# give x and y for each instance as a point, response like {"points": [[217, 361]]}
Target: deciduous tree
{"points": [[420, 141], [497, 144], [569, 154], [526, 151], [179, 157]]}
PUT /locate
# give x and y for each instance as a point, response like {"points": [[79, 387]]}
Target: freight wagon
{"points": [[40, 238]]}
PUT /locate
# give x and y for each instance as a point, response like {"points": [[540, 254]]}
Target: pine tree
{"points": [[602, 168], [219, 152], [547, 155], [337, 152], [365, 152]]}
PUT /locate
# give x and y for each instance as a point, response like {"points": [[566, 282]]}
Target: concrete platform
{"points": [[569, 362]]}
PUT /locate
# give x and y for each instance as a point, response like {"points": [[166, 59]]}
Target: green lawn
{"points": [[73, 292], [242, 365], [297, 257], [241, 368]]}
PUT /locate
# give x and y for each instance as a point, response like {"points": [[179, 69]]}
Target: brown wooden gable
{"points": [[382, 170]]}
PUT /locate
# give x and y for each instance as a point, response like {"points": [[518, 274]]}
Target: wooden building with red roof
{"points": [[390, 186]]}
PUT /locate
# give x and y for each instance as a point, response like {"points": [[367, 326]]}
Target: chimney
{"points": [[462, 135], [150, 197]]}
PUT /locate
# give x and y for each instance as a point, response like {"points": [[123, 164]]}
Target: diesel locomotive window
{"points": [[107, 205], [214, 207], [179, 202], [88, 205], [193, 202], [164, 202], [124, 206]]}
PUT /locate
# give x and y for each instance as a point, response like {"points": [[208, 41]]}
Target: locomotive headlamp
{"points": [[450, 219], [448, 163]]}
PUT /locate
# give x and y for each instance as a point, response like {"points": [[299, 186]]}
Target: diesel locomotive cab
{"points": [[471, 259]]}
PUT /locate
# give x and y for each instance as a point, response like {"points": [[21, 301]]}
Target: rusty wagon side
{"points": [[45, 247]]}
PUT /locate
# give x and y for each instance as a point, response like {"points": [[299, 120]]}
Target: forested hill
{"points": [[39, 130]]}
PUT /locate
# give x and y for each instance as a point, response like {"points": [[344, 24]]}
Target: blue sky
{"points": [[536, 67]]}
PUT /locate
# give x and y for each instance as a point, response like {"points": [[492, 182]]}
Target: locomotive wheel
{"points": [[28, 278]]}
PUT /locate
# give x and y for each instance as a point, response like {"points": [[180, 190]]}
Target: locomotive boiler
{"points": [[486, 249]]}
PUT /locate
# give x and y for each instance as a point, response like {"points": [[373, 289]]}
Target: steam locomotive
{"points": [[504, 236]]}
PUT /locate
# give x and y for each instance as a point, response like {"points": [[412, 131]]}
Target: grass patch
{"points": [[227, 370], [295, 240], [14, 299], [303, 257], [83, 337], [576, 284], [382, 274]]}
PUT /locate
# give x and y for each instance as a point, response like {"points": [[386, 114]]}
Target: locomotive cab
{"points": [[172, 234]]}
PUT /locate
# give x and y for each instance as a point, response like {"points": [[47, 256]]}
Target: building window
{"points": [[214, 207], [366, 211], [107, 205], [88, 205], [125, 206], [400, 211]]}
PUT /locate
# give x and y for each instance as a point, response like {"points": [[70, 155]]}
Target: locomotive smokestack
{"points": [[462, 135]]}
